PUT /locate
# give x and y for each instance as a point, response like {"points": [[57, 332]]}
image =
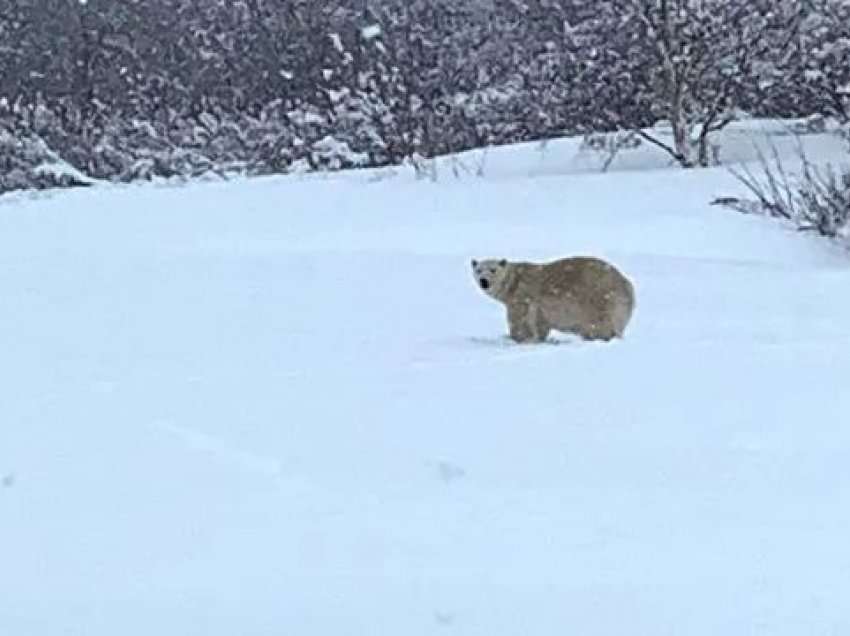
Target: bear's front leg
{"points": [[526, 324], [540, 327], [518, 323]]}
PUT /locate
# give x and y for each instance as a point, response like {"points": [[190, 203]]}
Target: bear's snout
{"points": [[484, 283]]}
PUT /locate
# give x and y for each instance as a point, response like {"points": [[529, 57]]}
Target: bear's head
{"points": [[490, 275]]}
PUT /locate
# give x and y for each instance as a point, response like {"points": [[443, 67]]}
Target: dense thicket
{"points": [[140, 88]]}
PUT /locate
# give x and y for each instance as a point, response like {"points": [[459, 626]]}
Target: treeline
{"points": [[142, 88]]}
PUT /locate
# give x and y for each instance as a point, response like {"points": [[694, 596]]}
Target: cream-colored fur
{"points": [[583, 295]]}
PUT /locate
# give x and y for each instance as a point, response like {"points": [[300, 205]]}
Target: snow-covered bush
{"points": [[27, 163], [144, 90], [608, 145]]}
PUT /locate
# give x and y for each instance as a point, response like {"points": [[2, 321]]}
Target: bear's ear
{"points": [[474, 263], [503, 262]]}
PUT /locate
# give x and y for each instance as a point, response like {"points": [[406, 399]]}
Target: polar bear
{"points": [[581, 295]]}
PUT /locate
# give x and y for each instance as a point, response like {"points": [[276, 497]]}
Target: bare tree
{"points": [[687, 63]]}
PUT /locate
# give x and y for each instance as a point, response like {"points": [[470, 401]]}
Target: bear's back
{"points": [[579, 274]]}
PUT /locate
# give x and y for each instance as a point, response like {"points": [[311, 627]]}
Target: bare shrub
{"points": [[816, 198], [609, 145]]}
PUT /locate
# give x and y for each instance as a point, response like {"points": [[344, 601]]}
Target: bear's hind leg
{"points": [[600, 332]]}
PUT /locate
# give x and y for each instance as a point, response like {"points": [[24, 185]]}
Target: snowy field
{"points": [[281, 407]]}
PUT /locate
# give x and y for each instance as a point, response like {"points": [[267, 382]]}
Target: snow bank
{"points": [[280, 406]]}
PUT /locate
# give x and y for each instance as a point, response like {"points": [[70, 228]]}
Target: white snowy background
{"points": [[281, 407]]}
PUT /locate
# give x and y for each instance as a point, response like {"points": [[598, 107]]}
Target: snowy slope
{"points": [[739, 142], [282, 407]]}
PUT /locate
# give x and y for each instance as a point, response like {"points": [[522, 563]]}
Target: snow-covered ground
{"points": [[281, 407]]}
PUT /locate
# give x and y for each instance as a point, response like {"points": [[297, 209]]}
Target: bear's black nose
{"points": [[484, 283]]}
